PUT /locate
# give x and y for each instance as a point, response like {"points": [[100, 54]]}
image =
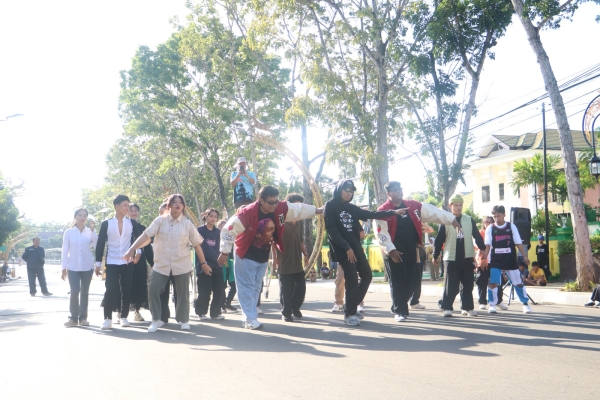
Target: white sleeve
{"points": [[230, 231], [488, 236], [435, 215], [299, 211], [516, 236], [383, 236]]}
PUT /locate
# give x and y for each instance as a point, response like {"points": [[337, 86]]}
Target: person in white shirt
{"points": [[78, 266], [117, 234]]}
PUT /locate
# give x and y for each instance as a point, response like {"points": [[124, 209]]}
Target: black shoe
{"points": [[230, 307], [287, 318], [33, 295], [590, 304], [297, 314], [47, 294]]}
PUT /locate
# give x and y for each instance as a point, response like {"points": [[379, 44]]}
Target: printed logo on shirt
{"points": [[211, 242], [417, 214], [346, 220], [228, 237], [382, 239], [281, 219]]}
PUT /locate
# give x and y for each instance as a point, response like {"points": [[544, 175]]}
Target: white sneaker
{"points": [[70, 323], [124, 322], [527, 309], [154, 326], [253, 325], [447, 313], [202, 317], [417, 306], [352, 320], [399, 318], [336, 308], [492, 310], [469, 313], [259, 311], [138, 317], [503, 306], [107, 324], [185, 326], [118, 316], [359, 316], [482, 307], [360, 308], [84, 322], [218, 317]]}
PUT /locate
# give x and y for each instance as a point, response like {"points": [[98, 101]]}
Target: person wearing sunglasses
{"points": [[342, 222], [399, 236], [253, 229]]}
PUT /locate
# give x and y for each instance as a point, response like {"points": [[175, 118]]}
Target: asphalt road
{"points": [[551, 354]]}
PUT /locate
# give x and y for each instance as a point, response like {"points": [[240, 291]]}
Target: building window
{"points": [[485, 194], [554, 198], [501, 191]]}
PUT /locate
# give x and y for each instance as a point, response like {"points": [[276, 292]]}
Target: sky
{"points": [[60, 63]]}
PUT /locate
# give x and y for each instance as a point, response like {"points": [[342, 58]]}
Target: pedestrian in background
{"points": [[213, 283], [35, 257], [78, 266]]}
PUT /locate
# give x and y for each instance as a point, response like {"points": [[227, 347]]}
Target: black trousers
{"points": [[545, 266], [207, 285], [401, 278], [356, 292], [38, 272], [416, 288], [458, 273], [118, 284], [292, 289]]}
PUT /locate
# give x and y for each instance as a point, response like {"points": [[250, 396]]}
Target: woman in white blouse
{"points": [[78, 265]]}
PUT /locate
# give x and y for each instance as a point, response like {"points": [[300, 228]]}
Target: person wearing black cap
{"points": [[342, 222], [541, 250], [399, 237]]}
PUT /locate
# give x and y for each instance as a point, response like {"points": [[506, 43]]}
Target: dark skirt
{"points": [[139, 289]]}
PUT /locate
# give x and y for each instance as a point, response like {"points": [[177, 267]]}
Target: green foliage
{"points": [[9, 214], [566, 247], [474, 216], [574, 287], [531, 172], [538, 223]]}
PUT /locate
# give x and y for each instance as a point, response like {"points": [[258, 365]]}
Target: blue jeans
{"points": [[248, 278], [514, 276], [79, 281]]}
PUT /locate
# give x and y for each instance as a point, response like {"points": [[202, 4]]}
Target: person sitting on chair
{"points": [[536, 277], [324, 271]]}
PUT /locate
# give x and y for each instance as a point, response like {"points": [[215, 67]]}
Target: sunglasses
{"points": [[349, 190], [272, 202]]}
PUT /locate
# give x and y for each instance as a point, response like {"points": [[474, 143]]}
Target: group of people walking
{"points": [[141, 263]]}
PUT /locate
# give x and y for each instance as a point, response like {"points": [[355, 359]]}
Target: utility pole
{"points": [[546, 217]]}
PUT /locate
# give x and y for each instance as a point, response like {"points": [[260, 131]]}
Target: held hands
{"points": [[222, 260], [137, 257], [395, 255], [351, 256], [63, 275], [319, 211], [98, 271], [129, 256], [457, 226]]}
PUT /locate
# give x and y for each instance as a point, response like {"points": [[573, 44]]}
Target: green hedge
{"points": [[566, 247]]}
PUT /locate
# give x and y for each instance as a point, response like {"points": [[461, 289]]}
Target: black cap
{"points": [[349, 185]]}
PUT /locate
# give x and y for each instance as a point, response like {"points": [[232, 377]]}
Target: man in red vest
{"points": [[399, 236], [253, 229]]}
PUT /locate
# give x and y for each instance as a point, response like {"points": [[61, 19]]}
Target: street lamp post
{"points": [[591, 114]]}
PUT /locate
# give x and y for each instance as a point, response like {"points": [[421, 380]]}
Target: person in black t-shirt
{"points": [[541, 250], [213, 282]]}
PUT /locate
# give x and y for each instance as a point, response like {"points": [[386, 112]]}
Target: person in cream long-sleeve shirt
{"points": [[78, 266]]}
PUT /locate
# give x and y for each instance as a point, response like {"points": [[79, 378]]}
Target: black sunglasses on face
{"points": [[272, 202], [349, 190]]}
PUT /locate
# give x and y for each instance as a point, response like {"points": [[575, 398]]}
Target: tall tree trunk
{"points": [[380, 171], [583, 248], [307, 193]]}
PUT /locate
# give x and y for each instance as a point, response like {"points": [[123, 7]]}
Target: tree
{"points": [[9, 213], [528, 172], [460, 36], [534, 16]]}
